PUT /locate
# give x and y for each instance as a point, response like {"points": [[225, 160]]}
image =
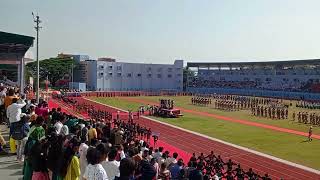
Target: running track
{"points": [[246, 122], [189, 142]]}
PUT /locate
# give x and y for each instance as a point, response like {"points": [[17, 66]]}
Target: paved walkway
{"points": [[10, 169]]}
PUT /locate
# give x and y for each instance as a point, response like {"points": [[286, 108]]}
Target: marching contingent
{"points": [[200, 100], [270, 112], [261, 107], [307, 118], [308, 105]]}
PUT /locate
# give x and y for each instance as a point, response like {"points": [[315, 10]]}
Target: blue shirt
{"points": [[175, 171]]}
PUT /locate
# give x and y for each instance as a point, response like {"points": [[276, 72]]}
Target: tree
{"points": [[53, 68], [187, 73]]}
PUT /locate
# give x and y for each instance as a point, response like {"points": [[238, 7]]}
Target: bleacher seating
{"points": [[293, 79]]}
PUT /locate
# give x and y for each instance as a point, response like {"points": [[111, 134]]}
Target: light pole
{"points": [[37, 27], [71, 76]]}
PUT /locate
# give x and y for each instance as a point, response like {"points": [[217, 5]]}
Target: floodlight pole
{"points": [[72, 76], [37, 27]]}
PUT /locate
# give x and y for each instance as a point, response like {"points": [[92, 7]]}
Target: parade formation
{"points": [[270, 108]]}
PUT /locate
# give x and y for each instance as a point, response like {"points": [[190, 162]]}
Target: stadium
{"points": [[239, 120], [251, 115], [295, 79], [160, 90]]}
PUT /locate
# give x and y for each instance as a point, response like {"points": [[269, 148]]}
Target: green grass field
{"points": [[283, 145]]}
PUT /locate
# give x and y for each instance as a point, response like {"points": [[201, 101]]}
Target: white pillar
{"points": [[21, 75], [18, 74]]}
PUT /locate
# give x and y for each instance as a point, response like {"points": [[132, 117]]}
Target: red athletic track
{"points": [[246, 122], [193, 143]]}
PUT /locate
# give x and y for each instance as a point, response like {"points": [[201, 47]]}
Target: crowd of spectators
{"points": [[54, 145], [259, 85], [222, 84]]}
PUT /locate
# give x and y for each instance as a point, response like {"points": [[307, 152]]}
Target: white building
{"points": [[121, 76]]}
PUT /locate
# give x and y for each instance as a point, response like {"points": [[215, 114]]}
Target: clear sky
{"points": [[160, 31]]}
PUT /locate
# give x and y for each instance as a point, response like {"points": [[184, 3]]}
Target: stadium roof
{"points": [[14, 43], [13, 47], [305, 62]]}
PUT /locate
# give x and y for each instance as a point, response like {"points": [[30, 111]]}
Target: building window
{"points": [[110, 73], [101, 67], [119, 68], [110, 67], [101, 74], [119, 74], [159, 75], [149, 69], [169, 69], [268, 79], [139, 75], [179, 75], [149, 75], [159, 69], [169, 76], [129, 75]]}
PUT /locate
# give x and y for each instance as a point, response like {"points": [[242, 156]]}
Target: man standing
{"points": [[14, 110], [58, 125], [197, 173], [175, 170], [111, 166], [13, 114]]}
